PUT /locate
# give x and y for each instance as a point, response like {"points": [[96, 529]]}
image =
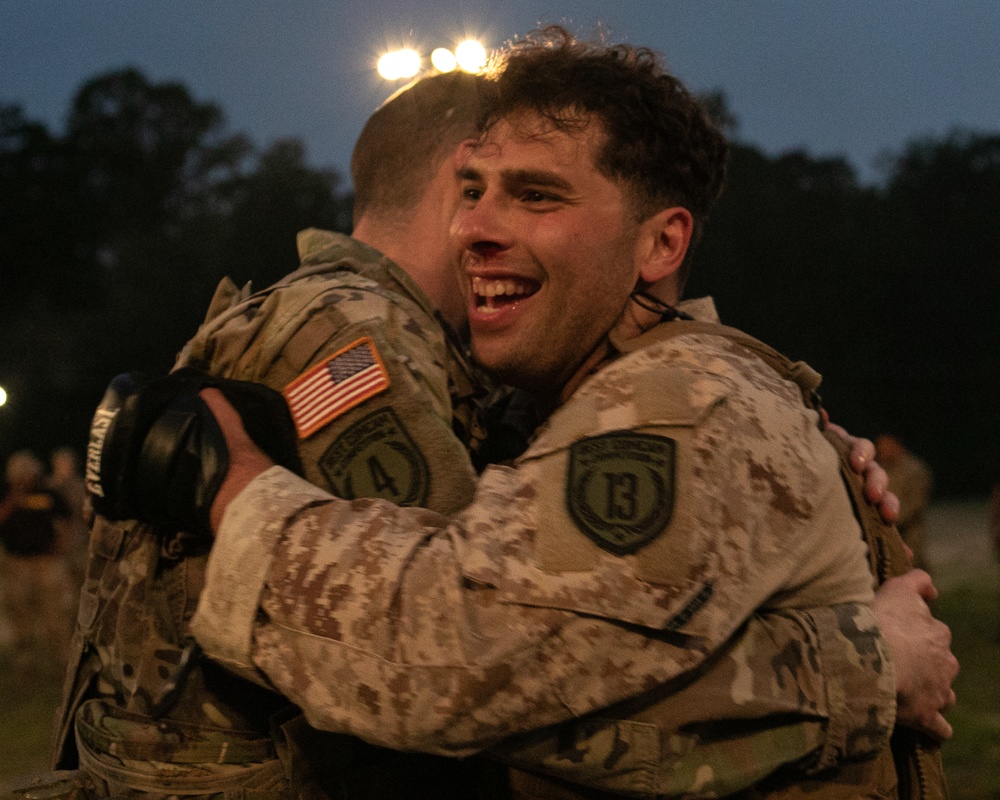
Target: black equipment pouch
{"points": [[157, 454]]}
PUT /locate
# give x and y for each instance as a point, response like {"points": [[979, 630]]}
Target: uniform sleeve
{"points": [[418, 632], [392, 437], [366, 376], [650, 541], [794, 687]]}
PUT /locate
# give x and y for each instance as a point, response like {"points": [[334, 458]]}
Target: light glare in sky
{"points": [[471, 56], [399, 64], [444, 60], [3, 396]]}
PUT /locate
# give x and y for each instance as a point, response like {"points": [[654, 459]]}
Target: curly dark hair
{"points": [[660, 141]]}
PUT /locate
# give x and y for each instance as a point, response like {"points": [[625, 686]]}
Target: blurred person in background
{"points": [[34, 579], [66, 480], [912, 481]]}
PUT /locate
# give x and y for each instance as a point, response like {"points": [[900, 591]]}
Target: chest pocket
{"points": [[615, 533]]}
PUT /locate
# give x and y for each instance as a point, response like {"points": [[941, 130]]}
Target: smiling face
{"points": [[550, 250]]}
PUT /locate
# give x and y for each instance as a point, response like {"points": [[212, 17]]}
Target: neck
{"points": [[383, 236], [591, 364], [555, 390], [634, 321], [420, 251]]}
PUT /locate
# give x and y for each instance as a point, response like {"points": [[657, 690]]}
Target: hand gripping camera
{"points": [[156, 453]]}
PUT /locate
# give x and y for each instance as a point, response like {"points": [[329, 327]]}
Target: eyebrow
{"points": [[520, 177]]}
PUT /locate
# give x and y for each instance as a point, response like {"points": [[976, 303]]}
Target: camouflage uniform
{"points": [[144, 714], [679, 517]]}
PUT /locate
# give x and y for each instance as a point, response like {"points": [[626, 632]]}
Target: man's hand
{"points": [[921, 651], [246, 460], [876, 480], [156, 453]]}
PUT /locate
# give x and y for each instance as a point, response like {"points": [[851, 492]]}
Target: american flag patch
{"points": [[335, 385]]}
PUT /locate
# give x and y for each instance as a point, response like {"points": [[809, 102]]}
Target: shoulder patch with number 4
{"points": [[377, 457], [335, 385], [620, 488]]}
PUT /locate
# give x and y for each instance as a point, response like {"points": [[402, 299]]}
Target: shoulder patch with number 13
{"points": [[620, 488]]}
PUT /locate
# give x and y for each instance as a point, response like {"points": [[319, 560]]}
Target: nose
{"points": [[480, 228]]}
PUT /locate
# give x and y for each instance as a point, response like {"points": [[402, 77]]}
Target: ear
{"points": [[663, 242]]}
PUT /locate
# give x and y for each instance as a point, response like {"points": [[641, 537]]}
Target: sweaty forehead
{"points": [[528, 136]]}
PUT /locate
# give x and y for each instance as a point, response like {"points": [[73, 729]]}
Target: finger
{"points": [[939, 728], [888, 509], [840, 431], [876, 482], [927, 589], [849, 440], [920, 582], [226, 415], [217, 403], [862, 452]]}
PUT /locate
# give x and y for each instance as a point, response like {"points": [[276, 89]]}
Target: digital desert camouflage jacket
{"points": [[676, 540], [390, 411]]}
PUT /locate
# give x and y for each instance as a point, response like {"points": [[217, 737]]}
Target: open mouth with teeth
{"points": [[494, 293]]}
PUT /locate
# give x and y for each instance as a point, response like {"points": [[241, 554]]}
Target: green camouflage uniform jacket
{"points": [[677, 540], [142, 712]]}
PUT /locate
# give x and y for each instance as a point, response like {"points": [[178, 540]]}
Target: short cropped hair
{"points": [[404, 142], [661, 142]]}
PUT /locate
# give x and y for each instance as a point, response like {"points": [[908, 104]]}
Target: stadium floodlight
{"points": [[471, 56], [444, 60], [399, 64], [3, 396]]}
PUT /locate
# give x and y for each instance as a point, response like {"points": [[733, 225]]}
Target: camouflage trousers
{"points": [[80, 785], [125, 755], [129, 756], [62, 785]]}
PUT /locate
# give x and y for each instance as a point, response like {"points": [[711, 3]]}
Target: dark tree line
{"points": [[892, 292], [114, 233]]}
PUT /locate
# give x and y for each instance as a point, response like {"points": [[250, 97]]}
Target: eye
{"points": [[471, 193], [541, 199]]}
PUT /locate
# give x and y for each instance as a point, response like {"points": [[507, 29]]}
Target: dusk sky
{"points": [[833, 77]]}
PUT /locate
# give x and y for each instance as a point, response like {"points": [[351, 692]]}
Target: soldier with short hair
{"points": [[383, 401], [680, 498], [143, 711]]}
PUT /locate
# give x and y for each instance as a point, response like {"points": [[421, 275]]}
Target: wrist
{"points": [[238, 477]]}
